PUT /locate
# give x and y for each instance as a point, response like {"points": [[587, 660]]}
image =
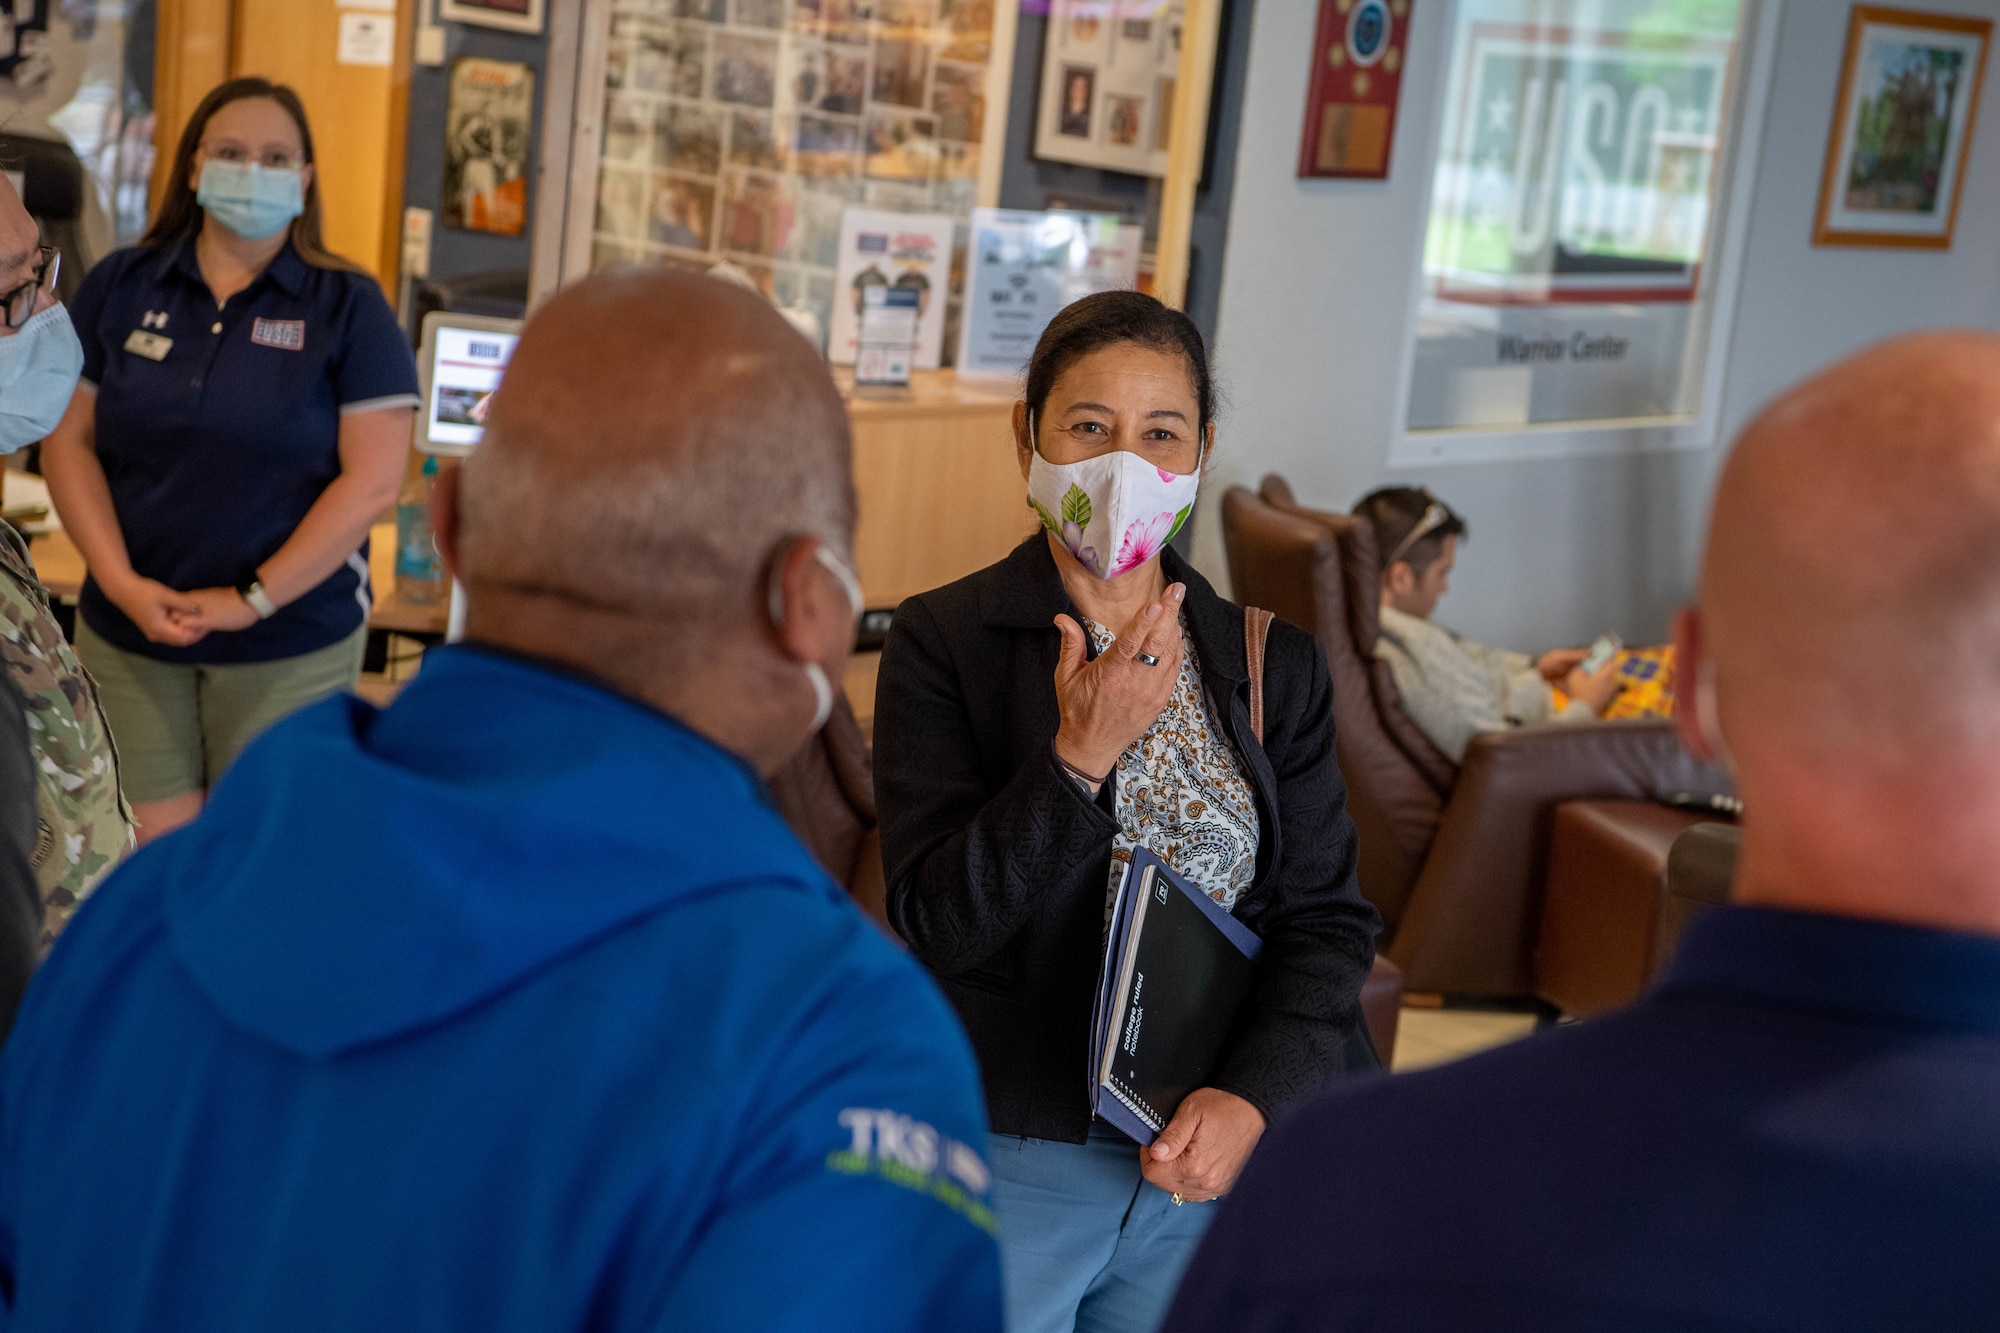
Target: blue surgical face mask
{"points": [[39, 364], [252, 201]]}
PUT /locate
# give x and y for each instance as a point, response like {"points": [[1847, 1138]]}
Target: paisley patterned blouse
{"points": [[1183, 792]]}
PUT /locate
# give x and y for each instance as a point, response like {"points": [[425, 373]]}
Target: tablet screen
{"points": [[466, 366]]}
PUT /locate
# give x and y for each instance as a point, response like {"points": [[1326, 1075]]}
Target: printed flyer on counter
{"points": [[903, 250], [1025, 266]]}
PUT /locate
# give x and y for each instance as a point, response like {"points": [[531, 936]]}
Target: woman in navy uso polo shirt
{"points": [[243, 419]]}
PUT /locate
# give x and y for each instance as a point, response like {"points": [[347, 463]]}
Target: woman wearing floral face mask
{"points": [[1036, 722], [243, 418]]}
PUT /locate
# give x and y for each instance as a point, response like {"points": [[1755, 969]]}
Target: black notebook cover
{"points": [[1176, 970]]}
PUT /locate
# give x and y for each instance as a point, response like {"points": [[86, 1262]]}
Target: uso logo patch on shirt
{"points": [[289, 334]]}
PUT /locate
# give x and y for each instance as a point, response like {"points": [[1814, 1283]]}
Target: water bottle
{"points": [[420, 577]]}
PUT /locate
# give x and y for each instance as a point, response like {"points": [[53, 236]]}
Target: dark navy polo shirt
{"points": [[219, 428], [1799, 1128]]}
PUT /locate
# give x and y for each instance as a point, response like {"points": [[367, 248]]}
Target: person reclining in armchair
{"points": [[1454, 688]]}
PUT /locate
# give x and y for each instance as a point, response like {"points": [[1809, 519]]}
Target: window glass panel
{"points": [[80, 72], [1569, 251]]}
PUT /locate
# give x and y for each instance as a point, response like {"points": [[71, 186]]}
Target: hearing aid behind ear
{"points": [[774, 580]]}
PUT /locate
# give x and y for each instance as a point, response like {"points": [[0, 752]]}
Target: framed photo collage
{"points": [[740, 129]]}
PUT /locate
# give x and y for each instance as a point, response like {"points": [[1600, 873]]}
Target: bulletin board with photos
{"points": [[740, 129]]}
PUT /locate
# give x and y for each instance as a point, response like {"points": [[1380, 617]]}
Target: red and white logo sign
{"points": [[289, 334]]}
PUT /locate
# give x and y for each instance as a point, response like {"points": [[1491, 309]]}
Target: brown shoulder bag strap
{"points": [[1256, 629]]}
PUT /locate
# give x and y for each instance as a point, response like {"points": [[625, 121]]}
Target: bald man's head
{"points": [[658, 435], [1851, 592]]}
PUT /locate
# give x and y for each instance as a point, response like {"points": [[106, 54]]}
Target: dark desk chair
{"points": [[1453, 856], [499, 292], [53, 196]]}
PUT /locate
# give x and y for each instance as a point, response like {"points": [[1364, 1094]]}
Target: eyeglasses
{"points": [[271, 159], [1435, 517], [17, 306]]}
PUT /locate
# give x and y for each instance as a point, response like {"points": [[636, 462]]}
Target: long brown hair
{"points": [[180, 212]]}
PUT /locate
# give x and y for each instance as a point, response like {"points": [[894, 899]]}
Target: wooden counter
{"points": [[58, 564], [939, 483], [61, 568]]}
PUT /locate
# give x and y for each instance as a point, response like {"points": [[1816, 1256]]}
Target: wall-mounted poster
{"points": [[513, 15], [905, 250], [486, 145], [1570, 255], [1022, 268], [1108, 71], [1357, 80], [1902, 128]]}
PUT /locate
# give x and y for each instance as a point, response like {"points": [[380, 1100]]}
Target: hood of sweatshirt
{"points": [[362, 873]]}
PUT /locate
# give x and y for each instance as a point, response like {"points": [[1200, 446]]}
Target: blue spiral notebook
{"points": [[1176, 971]]}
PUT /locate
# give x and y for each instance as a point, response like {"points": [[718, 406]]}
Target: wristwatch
{"points": [[260, 601]]}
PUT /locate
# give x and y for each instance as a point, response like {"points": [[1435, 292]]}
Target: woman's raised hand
{"points": [[1108, 703]]}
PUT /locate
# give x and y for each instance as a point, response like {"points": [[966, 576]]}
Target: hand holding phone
{"points": [[1603, 650]]}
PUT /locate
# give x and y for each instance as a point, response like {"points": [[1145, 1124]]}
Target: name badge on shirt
{"points": [[289, 334], [152, 346]]}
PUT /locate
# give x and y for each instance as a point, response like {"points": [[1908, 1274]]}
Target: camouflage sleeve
{"points": [[83, 825], [20, 900]]}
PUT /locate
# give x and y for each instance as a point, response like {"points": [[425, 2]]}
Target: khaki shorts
{"points": [[178, 726]]}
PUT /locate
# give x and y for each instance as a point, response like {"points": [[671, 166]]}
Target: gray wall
{"points": [[453, 251], [1315, 310]]}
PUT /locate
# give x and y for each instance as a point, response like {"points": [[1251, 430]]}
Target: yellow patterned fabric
{"points": [[1646, 684]]}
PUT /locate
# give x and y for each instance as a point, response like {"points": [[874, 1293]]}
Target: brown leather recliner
{"points": [[1453, 856], [1701, 867], [827, 794]]}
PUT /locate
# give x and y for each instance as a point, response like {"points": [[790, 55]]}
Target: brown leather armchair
{"points": [[1453, 856], [1701, 868], [827, 794]]}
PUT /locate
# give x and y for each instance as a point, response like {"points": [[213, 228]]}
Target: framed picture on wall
{"points": [[1357, 81], [513, 15], [1108, 72], [1902, 128], [487, 118]]}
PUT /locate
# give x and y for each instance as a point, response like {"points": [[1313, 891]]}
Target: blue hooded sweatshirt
{"points": [[514, 1006]]}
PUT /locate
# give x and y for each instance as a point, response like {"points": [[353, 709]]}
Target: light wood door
{"points": [[359, 113]]}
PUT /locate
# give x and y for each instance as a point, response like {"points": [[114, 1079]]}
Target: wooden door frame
{"points": [[1187, 148], [398, 148], [194, 49]]}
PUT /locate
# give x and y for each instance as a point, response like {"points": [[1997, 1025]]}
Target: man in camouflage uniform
{"points": [[84, 826]]}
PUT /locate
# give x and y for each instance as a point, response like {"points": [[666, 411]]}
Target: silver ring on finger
{"points": [[1147, 659]]}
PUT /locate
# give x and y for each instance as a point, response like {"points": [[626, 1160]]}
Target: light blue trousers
{"points": [[1085, 1243]]}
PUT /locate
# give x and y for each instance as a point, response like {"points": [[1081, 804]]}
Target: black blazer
{"points": [[998, 862]]}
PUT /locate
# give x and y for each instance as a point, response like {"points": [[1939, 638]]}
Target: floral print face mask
{"points": [[1114, 512]]}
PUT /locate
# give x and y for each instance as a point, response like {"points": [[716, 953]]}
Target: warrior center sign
{"points": [[1573, 214]]}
